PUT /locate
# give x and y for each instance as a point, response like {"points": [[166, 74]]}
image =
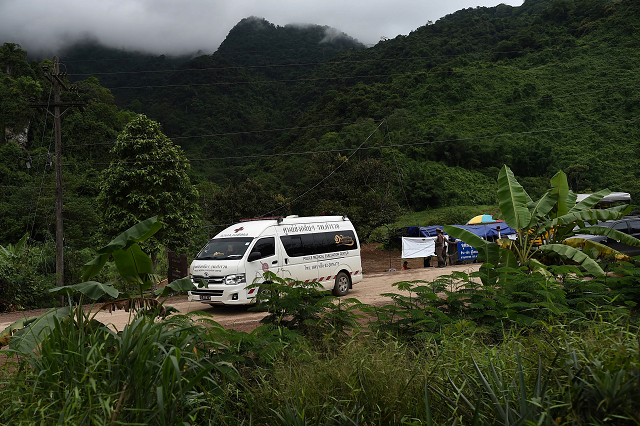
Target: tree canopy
{"points": [[148, 177]]}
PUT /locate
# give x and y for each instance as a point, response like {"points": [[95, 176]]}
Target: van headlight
{"points": [[235, 279]]}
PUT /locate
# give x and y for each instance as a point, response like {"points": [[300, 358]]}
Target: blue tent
{"points": [[483, 231], [489, 229]]}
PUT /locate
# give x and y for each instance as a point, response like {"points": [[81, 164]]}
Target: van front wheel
{"points": [[342, 284]]}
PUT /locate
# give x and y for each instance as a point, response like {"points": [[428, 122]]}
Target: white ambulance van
{"points": [[323, 249]]}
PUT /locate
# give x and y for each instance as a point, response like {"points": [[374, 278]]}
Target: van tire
{"points": [[343, 282]]}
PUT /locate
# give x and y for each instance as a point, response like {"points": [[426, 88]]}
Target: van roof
{"points": [[254, 228]]}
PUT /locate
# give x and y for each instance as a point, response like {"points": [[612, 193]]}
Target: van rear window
{"points": [[320, 243]]}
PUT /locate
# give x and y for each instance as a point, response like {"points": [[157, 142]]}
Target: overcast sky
{"points": [[186, 26]]}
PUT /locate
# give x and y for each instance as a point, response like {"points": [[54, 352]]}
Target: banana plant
{"points": [[11, 252], [132, 264], [546, 228]]}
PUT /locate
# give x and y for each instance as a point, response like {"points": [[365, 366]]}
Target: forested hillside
{"points": [[306, 120]]}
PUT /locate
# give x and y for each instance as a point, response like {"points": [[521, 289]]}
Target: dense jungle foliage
{"points": [[306, 120], [537, 349]]}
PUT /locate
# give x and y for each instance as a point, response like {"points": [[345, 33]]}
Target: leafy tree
{"points": [[148, 177], [239, 201], [362, 190], [17, 85]]}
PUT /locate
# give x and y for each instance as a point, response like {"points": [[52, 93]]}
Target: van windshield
{"points": [[224, 249]]}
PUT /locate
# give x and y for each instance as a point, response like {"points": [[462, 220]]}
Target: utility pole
{"points": [[57, 80]]}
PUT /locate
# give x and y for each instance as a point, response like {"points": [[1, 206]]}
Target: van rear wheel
{"points": [[341, 286]]}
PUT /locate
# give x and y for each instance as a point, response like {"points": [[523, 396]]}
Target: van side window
{"points": [[292, 245], [266, 247], [319, 243], [345, 240]]}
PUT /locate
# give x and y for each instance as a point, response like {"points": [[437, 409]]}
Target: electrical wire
{"points": [[348, 61], [325, 178], [430, 114], [44, 168], [433, 71], [337, 150], [393, 152]]}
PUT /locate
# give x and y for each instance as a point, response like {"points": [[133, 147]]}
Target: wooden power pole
{"points": [[57, 80]]}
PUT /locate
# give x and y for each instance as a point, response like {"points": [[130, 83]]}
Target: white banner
{"points": [[418, 247]]}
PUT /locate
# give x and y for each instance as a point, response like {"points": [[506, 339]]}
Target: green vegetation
{"points": [[560, 350], [306, 120], [148, 177], [273, 124], [547, 228]]}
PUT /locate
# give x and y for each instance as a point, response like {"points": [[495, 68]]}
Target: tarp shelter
{"points": [[488, 230], [418, 247], [482, 231]]}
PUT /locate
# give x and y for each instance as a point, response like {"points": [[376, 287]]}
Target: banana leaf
{"points": [[137, 233], [601, 249], [560, 188], [513, 200], [590, 265], [541, 208], [590, 201], [93, 267], [610, 233], [132, 261], [183, 284], [92, 289], [592, 215], [27, 339]]}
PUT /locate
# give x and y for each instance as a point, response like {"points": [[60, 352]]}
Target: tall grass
{"points": [[570, 370], [152, 372], [377, 379]]}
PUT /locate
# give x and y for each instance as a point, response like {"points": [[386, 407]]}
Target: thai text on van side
{"points": [[310, 228], [321, 265]]}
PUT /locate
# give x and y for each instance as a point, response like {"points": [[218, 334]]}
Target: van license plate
{"points": [[205, 297]]}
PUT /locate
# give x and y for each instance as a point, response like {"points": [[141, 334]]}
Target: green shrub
{"points": [[152, 372], [24, 279], [304, 307]]}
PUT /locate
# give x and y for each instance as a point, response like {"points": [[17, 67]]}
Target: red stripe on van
{"points": [[329, 277], [314, 280], [321, 278], [306, 281], [356, 273]]}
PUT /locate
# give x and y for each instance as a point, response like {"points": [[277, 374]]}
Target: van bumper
{"points": [[229, 295]]}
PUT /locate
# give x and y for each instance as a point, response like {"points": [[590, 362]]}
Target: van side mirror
{"points": [[254, 255]]}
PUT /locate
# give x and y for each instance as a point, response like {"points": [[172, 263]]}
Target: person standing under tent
{"points": [[441, 248]]}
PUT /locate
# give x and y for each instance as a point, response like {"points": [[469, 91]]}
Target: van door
{"points": [[297, 261], [262, 257]]}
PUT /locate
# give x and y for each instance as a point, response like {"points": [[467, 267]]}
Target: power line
{"points": [[433, 71], [44, 169], [430, 114], [27, 187], [326, 177], [301, 153], [330, 62], [398, 170]]}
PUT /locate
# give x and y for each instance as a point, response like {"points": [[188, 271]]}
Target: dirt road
{"points": [[368, 291]]}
